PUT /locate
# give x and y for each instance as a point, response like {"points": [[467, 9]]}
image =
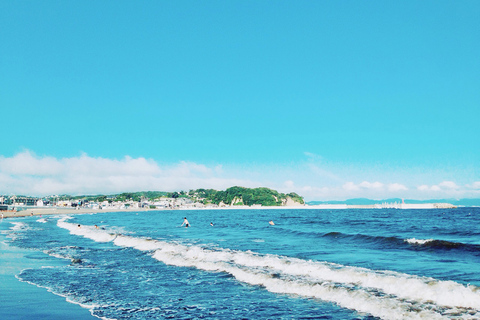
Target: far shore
{"points": [[39, 211]]}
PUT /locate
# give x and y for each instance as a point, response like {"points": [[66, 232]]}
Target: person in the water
{"points": [[185, 222]]}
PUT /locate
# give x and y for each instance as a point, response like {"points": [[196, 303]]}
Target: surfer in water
{"points": [[185, 222]]}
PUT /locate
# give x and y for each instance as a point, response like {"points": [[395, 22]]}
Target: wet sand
{"points": [[58, 210], [20, 300]]}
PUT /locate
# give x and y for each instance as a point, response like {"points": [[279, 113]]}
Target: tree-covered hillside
{"points": [[231, 196], [246, 196]]}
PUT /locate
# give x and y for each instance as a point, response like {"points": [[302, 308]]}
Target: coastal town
{"points": [[23, 203], [235, 197]]}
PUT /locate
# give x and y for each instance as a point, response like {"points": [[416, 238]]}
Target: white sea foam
{"points": [[63, 254], [384, 294], [137, 243], [61, 216], [18, 226], [87, 231], [418, 241], [56, 255]]}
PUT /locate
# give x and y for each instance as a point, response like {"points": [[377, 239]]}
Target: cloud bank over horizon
{"points": [[28, 174]]}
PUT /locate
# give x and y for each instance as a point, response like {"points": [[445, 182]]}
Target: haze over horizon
{"points": [[331, 100]]}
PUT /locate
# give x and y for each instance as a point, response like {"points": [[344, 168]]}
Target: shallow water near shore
{"points": [[312, 264]]}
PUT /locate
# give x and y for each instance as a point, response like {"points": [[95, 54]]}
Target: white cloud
{"points": [[350, 186], [448, 185], [364, 185], [395, 187], [186, 169], [373, 190], [315, 193], [218, 169], [442, 186], [289, 184], [475, 185], [25, 163], [26, 173], [423, 187], [370, 185], [449, 189]]}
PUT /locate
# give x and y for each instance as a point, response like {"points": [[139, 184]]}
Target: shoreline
{"points": [[39, 211], [23, 300]]}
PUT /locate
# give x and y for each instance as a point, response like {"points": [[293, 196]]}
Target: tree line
{"points": [[242, 196]]}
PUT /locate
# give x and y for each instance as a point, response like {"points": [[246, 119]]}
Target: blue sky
{"points": [[332, 100]]}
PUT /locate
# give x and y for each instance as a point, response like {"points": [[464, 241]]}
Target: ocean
{"points": [[312, 264]]}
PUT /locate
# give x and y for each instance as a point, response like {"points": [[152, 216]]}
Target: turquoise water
{"points": [[312, 264]]}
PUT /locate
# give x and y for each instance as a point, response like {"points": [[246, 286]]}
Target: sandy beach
{"points": [[58, 210]]}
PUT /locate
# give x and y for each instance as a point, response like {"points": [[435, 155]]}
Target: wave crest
{"points": [[384, 294]]}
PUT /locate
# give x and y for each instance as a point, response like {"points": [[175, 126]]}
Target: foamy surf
{"points": [[19, 226], [90, 232], [418, 241], [384, 294]]}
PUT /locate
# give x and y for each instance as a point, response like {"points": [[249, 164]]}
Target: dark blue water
{"points": [[312, 264]]}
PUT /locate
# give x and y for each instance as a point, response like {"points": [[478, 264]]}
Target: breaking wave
{"points": [[384, 294]]}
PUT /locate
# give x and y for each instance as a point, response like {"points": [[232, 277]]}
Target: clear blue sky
{"points": [[325, 98]]}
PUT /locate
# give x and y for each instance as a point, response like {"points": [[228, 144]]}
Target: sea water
{"points": [[311, 264]]}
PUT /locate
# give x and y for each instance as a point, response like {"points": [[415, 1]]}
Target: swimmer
{"points": [[96, 227], [79, 226], [211, 223], [185, 222], [271, 223]]}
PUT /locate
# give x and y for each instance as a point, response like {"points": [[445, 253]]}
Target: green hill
{"points": [[246, 196], [231, 196]]}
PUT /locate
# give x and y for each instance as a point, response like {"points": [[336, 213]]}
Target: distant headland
{"points": [[466, 202], [200, 198]]}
